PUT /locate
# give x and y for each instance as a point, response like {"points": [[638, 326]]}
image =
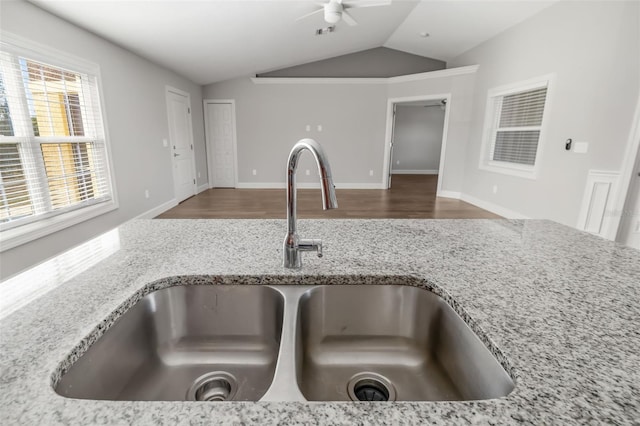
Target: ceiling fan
{"points": [[335, 10]]}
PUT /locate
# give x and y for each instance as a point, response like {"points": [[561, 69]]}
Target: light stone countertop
{"points": [[562, 306]]}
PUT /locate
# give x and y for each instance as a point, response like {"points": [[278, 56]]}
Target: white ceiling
{"points": [[214, 40]]}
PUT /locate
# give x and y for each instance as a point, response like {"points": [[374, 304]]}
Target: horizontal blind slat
{"points": [[516, 147], [523, 109], [54, 158], [517, 127]]}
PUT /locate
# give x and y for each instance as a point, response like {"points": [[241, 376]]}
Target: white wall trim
{"points": [[305, 185], [595, 212], [19, 235], [203, 187], [450, 194], [450, 72], [485, 163], [483, 204], [208, 142], [261, 185], [318, 80], [627, 172], [414, 172], [493, 208], [46, 53], [150, 214], [355, 186], [359, 80], [389, 133]]}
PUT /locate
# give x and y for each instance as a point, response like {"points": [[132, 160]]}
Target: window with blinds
{"points": [[515, 126], [53, 156]]}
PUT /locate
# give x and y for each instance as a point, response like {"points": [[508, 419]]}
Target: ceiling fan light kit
{"points": [[333, 12], [336, 10]]}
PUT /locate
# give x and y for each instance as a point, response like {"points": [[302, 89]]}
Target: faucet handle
{"points": [[311, 245]]}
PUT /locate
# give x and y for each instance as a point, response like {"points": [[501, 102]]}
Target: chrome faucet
{"points": [[293, 245]]}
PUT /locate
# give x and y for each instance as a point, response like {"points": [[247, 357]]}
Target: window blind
{"points": [[518, 124], [53, 155]]}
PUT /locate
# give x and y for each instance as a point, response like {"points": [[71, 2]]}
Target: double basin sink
{"points": [[287, 343]]}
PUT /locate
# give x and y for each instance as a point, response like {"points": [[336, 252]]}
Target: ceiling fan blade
{"points": [[346, 17], [357, 4], [309, 14]]}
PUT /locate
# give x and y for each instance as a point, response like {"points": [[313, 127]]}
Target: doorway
{"points": [[629, 232], [416, 138], [220, 129], [181, 138]]}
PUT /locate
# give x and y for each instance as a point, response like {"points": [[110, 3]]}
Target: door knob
{"points": [[176, 155]]}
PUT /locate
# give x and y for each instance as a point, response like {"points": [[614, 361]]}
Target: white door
{"points": [[181, 145], [221, 138]]}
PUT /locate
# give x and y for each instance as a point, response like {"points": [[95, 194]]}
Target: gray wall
{"points": [[272, 117], [593, 48], [377, 62], [417, 140], [461, 89], [136, 112]]}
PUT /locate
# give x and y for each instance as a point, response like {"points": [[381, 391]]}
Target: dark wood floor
{"points": [[411, 197]]}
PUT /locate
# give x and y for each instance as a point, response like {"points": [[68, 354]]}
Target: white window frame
{"points": [[12, 237], [490, 126]]}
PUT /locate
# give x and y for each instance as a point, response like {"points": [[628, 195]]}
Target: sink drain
{"points": [[216, 386], [370, 390], [370, 387]]}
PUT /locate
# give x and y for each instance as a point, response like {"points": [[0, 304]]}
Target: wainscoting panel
{"points": [[595, 215]]}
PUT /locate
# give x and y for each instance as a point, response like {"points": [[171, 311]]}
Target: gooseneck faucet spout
{"points": [[293, 246]]}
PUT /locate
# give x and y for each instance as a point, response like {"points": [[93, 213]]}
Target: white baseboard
{"points": [[493, 208], [449, 194], [202, 187], [306, 185], [150, 214], [261, 185], [485, 205], [414, 172], [358, 186]]}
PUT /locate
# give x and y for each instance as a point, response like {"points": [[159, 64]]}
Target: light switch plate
{"points": [[581, 147]]}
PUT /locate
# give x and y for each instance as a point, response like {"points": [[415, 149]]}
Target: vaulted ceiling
{"points": [[214, 40]]}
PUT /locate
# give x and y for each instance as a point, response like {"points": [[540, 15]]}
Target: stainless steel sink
{"points": [[186, 342], [391, 343], [287, 343]]}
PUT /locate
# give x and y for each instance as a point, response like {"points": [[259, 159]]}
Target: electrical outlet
{"points": [[255, 172], [306, 172], [319, 127], [308, 127], [146, 193]]}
